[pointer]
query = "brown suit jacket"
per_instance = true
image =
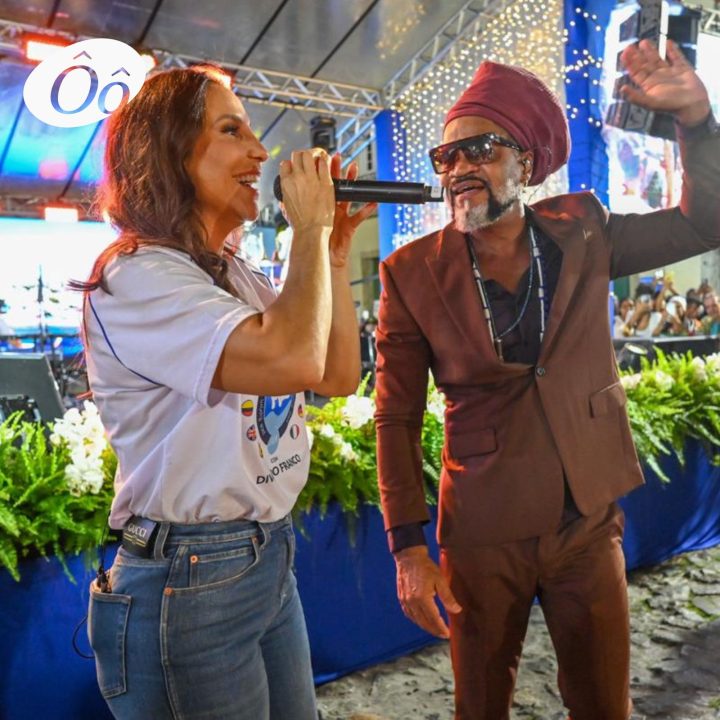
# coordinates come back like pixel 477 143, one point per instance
pixel 511 428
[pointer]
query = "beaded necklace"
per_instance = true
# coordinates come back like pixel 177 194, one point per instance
pixel 535 267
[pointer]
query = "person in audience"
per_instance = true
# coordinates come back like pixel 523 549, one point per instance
pixel 672 318
pixel 710 324
pixel 665 284
pixel 198 366
pixel 625 308
pixel 693 314
pixel 704 289
pixel 507 305
pixel 646 316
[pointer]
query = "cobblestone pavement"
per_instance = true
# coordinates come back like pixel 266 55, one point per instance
pixel 675 620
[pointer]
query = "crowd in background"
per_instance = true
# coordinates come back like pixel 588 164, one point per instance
pixel 657 309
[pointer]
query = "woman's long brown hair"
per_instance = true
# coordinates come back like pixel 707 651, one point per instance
pixel 146 190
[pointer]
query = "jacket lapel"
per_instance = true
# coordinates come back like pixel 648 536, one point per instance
pixel 452 275
pixel 572 238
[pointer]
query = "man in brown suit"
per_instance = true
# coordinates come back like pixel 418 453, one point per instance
pixel 507 306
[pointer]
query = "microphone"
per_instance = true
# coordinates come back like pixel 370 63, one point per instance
pixel 380 191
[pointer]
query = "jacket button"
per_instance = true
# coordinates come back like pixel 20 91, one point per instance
pixel 540 371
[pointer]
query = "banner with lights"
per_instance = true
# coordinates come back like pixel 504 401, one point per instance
pixel 585 24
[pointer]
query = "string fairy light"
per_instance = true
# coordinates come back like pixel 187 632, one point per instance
pixel 527 33
pixel 586 67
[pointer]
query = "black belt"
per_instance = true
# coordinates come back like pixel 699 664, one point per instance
pixel 139 535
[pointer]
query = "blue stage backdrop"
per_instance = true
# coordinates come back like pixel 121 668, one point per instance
pixel 588 165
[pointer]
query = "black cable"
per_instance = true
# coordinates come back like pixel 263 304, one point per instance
pixel 148 24
pixel 53 14
pixel 261 34
pixel 103 584
pixel 74 640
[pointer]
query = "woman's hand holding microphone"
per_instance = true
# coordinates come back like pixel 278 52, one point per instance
pixel 308 192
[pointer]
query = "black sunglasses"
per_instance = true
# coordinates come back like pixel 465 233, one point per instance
pixel 479 149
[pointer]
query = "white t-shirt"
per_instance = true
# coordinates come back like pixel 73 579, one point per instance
pixel 187 453
pixel 655 318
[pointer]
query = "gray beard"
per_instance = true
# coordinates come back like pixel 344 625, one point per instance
pixel 498 203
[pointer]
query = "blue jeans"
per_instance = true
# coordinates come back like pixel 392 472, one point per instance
pixel 210 627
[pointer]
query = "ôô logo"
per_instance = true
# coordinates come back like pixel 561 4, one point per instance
pixel 83 83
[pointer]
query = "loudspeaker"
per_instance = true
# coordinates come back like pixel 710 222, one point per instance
pixel 653 21
pixel 322 133
pixel 27 383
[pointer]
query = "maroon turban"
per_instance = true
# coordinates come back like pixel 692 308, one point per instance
pixel 525 107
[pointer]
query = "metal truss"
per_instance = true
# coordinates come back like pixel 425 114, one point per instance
pixel 21 206
pixel 710 22
pixel 268 87
pixel 469 20
pixel 8 34
pixel 11 31
pixel 358 133
pixel 32 206
pixel 288 90
pixel 357 105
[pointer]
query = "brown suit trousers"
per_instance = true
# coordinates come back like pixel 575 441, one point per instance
pixel 578 575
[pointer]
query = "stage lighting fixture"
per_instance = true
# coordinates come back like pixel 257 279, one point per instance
pixel 61 213
pixel 656 20
pixel 148 59
pixel 37 47
pixel 322 133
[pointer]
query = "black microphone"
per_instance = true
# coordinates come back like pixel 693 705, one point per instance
pixel 381 191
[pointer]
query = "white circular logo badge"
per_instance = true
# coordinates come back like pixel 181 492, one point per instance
pixel 84 83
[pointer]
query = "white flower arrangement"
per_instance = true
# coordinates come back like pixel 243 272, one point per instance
pixel 663 380
pixel 712 364
pixel 630 382
pixel 84 436
pixel 346 451
pixel 699 369
pixel 436 403
pixel 358 411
